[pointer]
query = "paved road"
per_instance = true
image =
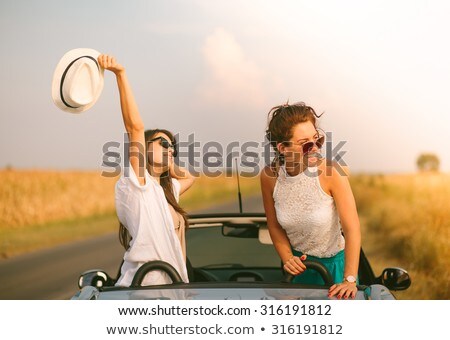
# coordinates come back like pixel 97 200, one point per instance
pixel 53 273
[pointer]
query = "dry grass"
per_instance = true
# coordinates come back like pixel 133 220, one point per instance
pixel 38 197
pixel 405 218
pixel 30 198
pixel 406 222
pixel 209 190
pixel 44 208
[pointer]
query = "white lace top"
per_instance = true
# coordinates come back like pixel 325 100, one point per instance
pixel 307 214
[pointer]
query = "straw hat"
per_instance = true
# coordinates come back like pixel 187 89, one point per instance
pixel 77 81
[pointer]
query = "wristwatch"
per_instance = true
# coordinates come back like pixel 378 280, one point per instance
pixel 350 279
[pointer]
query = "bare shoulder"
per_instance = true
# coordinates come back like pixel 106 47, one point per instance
pixel 332 169
pixel 332 175
pixel 268 177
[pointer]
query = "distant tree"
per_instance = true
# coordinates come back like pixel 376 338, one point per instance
pixel 428 162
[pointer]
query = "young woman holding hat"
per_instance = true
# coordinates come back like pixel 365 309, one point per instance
pixel 309 202
pixel 152 224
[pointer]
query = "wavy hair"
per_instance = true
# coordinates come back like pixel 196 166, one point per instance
pixel 281 121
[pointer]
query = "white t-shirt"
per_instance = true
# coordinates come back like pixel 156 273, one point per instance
pixel 144 210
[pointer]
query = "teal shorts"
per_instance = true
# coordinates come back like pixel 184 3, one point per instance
pixel 334 264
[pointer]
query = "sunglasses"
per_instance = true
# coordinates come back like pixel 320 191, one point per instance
pixel 165 144
pixel 307 146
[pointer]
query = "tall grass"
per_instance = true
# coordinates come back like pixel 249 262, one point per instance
pixel 37 197
pixel 215 190
pixel 44 208
pixel 406 219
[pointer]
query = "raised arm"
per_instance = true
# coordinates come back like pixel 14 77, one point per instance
pixel 131 117
pixel 291 264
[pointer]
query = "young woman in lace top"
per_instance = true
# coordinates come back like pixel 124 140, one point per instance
pixel 309 202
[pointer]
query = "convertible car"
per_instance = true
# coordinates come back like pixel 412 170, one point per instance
pixel 231 256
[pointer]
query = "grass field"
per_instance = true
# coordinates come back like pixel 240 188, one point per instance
pixel 44 208
pixel 406 222
pixel 405 219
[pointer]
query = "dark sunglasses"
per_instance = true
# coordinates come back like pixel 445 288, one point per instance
pixel 307 146
pixel 165 144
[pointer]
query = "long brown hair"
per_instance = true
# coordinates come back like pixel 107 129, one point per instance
pixel 281 122
pixel 165 182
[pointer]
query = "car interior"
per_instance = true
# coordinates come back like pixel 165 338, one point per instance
pixel 235 249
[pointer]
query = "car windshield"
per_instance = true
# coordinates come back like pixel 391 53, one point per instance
pixel 208 247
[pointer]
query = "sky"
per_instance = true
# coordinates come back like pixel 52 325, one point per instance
pixel 379 70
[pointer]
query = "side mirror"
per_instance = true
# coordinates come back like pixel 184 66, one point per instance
pixel 395 279
pixel 95 278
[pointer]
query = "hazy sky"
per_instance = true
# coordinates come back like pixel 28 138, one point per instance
pixel 380 70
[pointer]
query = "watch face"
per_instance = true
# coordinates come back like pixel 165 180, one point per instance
pixel 350 279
